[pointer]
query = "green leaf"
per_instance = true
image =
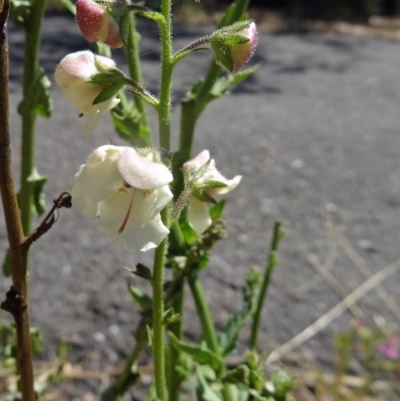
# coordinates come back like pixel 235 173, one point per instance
pixel 7 264
pixel 229 335
pixel 37 96
pixel 223 84
pixel 37 340
pixel 199 353
pixel 127 122
pixel 188 232
pixel 216 210
pixel 123 24
pixel 239 375
pixel 283 383
pixel 20 12
pixel 38 181
pixel 226 19
pixel 108 92
pixel 203 390
pixel 258 397
pixel 142 299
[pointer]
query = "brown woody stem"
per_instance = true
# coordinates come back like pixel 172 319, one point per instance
pixel 17 297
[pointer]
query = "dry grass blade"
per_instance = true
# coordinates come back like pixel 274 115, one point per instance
pixel 336 311
pixel 363 268
pixel 335 285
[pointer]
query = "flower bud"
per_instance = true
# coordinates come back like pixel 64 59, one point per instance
pixel 234 45
pixel 205 181
pixel 96 23
pixel 72 76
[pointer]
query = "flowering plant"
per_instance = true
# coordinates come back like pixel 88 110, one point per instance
pixel 146 197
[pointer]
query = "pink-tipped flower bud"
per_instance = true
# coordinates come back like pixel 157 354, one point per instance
pixel 72 75
pixel 96 23
pixel 234 45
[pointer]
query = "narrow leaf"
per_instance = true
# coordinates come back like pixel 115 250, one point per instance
pixel 197 352
pixel 142 299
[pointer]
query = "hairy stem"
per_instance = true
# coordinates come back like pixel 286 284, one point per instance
pixel 13 223
pixel 158 324
pixel 269 268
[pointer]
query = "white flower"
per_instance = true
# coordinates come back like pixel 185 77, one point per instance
pixel 128 191
pixel 198 215
pixel 71 76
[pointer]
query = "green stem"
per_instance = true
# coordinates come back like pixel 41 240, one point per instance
pixel 158 324
pixel 167 66
pixel 269 268
pixel 135 70
pixel 192 108
pixel 207 325
pixel 175 378
pixel 31 66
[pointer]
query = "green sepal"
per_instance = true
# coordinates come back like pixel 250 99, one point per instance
pixel 236 39
pixel 222 54
pixel 199 353
pixel 37 96
pixel 20 12
pixel 203 197
pixel 141 271
pixel 229 30
pixel 123 26
pixel 216 210
pixel 6 266
pixel 208 185
pixel 239 375
pixel 108 93
pixel 142 299
pixel 107 78
pixel 39 201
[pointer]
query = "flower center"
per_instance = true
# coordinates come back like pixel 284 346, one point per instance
pixel 128 213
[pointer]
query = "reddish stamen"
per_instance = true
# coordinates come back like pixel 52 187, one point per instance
pixel 128 213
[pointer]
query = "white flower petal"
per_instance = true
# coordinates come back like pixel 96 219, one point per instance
pixel 230 186
pixel 198 215
pixel 139 233
pixel 142 173
pixel 96 180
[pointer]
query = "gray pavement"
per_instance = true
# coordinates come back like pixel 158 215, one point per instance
pixel 315 133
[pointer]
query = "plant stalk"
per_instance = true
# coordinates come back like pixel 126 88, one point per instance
pixel 167 66
pixel 135 69
pixel 158 321
pixel 207 325
pixel 31 65
pixel 269 268
pixel 13 223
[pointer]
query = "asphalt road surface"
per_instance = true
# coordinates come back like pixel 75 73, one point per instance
pixel 315 134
